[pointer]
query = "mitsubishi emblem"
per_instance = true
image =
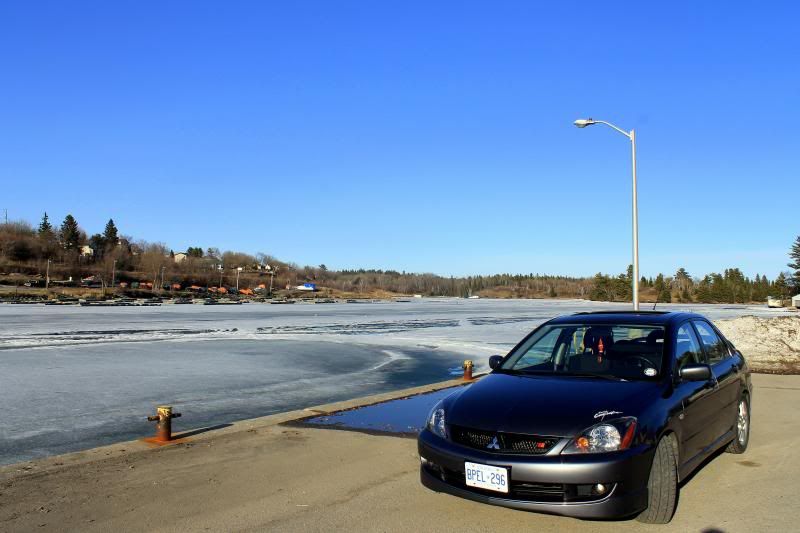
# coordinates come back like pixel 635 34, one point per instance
pixel 494 445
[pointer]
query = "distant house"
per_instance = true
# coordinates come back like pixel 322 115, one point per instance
pixel 87 251
pixel 180 257
pixel 796 301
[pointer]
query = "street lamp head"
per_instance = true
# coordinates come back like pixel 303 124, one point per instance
pixel 583 122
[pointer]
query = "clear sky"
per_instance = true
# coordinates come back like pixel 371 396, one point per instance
pixel 418 136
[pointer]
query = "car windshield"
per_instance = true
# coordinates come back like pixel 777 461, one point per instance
pixel 596 350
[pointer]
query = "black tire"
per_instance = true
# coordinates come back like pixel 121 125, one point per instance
pixel 662 487
pixel 742 427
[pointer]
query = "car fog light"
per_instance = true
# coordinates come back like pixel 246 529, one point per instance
pixel 599 489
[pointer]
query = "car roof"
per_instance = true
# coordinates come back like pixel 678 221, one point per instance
pixel 650 318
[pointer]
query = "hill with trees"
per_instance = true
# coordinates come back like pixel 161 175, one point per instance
pixel 67 251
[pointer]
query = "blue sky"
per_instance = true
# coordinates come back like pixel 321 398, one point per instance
pixel 409 135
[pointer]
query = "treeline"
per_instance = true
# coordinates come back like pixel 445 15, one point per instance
pixel 731 286
pixel 68 251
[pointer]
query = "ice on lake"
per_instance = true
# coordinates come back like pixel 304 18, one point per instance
pixel 77 377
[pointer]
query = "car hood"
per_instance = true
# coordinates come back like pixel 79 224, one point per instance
pixel 555 406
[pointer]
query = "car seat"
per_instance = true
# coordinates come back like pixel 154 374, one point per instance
pixel 597 341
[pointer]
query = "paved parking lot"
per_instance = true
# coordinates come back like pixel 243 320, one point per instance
pixel 259 475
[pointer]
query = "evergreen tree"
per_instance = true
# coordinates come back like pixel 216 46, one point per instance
pixel 110 234
pixel 98 243
pixel 795 265
pixel 683 280
pixel 45 228
pixel 704 290
pixel 70 233
pixel 662 291
pixel 685 296
pixel 781 286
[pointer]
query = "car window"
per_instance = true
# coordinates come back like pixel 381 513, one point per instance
pixel 687 347
pixel 541 351
pixel 715 347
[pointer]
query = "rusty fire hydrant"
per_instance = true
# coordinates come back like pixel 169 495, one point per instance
pixel 164 416
pixel 467 366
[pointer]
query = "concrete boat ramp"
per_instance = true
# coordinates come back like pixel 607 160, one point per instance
pixel 291 472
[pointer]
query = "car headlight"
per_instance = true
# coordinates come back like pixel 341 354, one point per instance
pixel 436 422
pixel 610 436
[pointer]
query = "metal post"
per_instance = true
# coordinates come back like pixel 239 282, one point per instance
pixel 635 226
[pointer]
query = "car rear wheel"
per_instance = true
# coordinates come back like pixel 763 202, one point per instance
pixel 742 428
pixel 662 487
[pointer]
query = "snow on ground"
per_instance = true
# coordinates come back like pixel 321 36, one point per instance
pixel 769 344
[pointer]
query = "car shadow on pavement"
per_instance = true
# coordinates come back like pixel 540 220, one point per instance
pixel 700 467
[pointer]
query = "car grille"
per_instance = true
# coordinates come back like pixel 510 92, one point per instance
pixel 506 442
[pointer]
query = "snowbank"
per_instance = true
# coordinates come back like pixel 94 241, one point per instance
pixel 771 345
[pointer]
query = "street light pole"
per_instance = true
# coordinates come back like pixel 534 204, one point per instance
pixel 635 225
pixel 631 135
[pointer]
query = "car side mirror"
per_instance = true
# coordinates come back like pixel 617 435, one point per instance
pixel 495 361
pixel 695 373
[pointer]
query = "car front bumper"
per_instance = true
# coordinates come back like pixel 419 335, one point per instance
pixel 546 483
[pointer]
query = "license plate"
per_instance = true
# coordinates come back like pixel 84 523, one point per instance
pixel 486 477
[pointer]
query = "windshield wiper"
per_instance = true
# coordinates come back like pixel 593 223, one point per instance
pixel 610 377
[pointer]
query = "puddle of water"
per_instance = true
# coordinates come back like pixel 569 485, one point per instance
pixel 402 416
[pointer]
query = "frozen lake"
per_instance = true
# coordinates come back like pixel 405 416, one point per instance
pixel 78 377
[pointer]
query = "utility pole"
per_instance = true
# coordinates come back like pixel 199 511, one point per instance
pixel 238 270
pixel 113 273
pixel 161 287
pixel 47 277
pixel 271 278
pixel 221 271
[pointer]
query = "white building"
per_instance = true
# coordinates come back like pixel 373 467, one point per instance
pixel 796 301
pixel 180 257
pixel 87 251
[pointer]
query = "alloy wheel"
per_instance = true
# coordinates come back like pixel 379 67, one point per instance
pixel 742 422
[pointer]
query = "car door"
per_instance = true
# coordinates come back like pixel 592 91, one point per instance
pixel 697 397
pixel 726 374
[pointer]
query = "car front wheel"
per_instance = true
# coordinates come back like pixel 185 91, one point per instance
pixel 662 487
pixel 742 428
